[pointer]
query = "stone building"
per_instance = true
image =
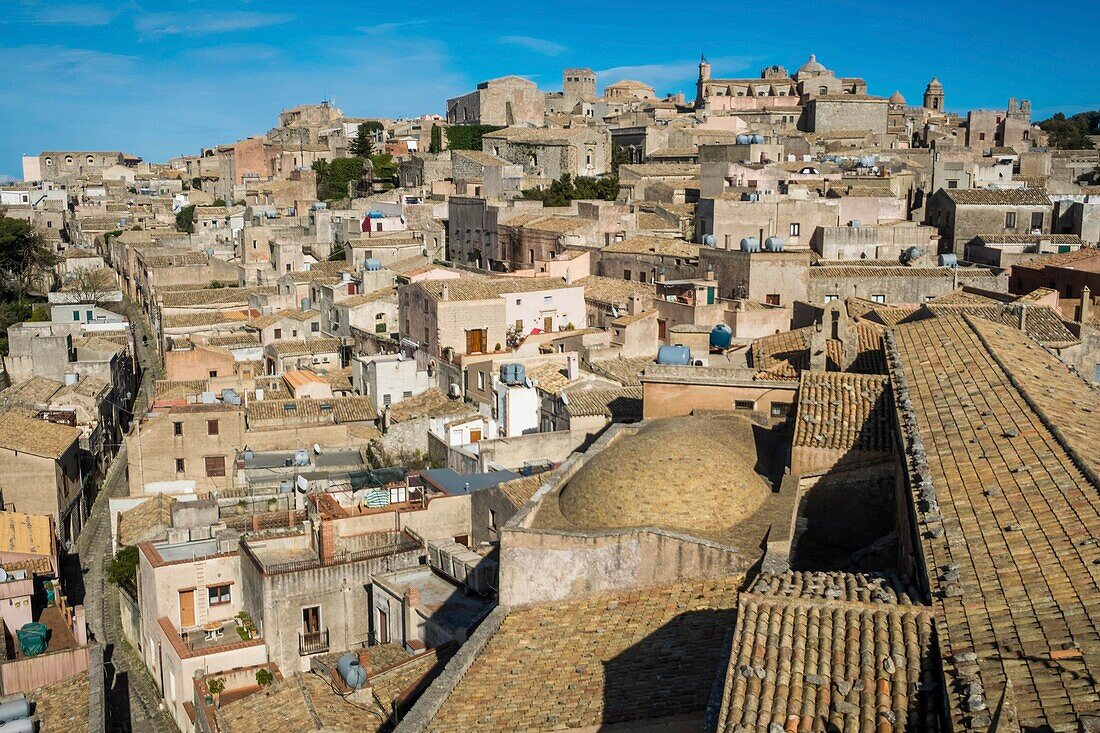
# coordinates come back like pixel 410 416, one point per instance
pixel 829 113
pixel 961 215
pixel 1008 128
pixel 509 100
pixel 55 165
pixel 548 153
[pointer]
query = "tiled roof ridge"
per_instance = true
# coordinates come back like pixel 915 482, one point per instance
pixel 309 702
pixel 1078 460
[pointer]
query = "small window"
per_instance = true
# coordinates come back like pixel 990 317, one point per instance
pixel 492 519
pixel 278 333
pixel 743 404
pixel 548 300
pixel 213 373
pixel 76 316
pixel 179 465
pixel 831 298
pixel 481 380
pixel 772 299
pixel 177 428
pixel 626 274
pixel 315 327
pixel 218 595
pixel 1010 220
pixel 1037 220
pixel 215 466
pixel 781 409
pixel 212 427
pixel 796 228
pixel 387 399
pixel 952 184
pixel 878 298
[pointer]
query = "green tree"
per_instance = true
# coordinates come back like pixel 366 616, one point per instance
pixel 185 219
pixel 619 156
pixel 363 144
pixel 385 167
pixel 1072 133
pixel 196 183
pixel 467 137
pixel 219 202
pixel 333 184
pixel 25 257
pixel 565 190
pixel 436 145
pixel 123 567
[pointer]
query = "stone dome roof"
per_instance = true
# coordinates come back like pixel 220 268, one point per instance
pixel 934 84
pixel 896 98
pixel 811 66
pixel 691 474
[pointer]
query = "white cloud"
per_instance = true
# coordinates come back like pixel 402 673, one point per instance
pixel 672 73
pixel 386 28
pixel 70 14
pixel 164 24
pixel 535 45
pixel 6 179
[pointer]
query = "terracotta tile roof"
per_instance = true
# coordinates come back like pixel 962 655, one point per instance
pixel 305 347
pixel 618 404
pixel 624 371
pixel 166 389
pixel 558 224
pixel 326 409
pixel 810 664
pixel 1060 259
pixel 1001 238
pixel 490 288
pixel 854 587
pixel 429 403
pixel 100 344
pixel 301 316
pixel 520 490
pixel 234 340
pixel 1036 294
pixel 614 291
pixel 34 391
pixel 997 433
pixel 784 355
pixel 640 655
pixel 961 296
pixel 827 271
pixel 63 706
pixel 144 522
pixel 998 197
pixel 662 246
pixel 550 377
pixel 363 299
pixel 206 318
pixel 211 296
pixel 37 437
pixel 1042 323
pixel 179 258
pixel 842 411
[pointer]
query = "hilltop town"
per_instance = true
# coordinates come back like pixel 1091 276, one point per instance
pixel 764 408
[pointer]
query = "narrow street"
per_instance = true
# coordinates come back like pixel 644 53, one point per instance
pixel 133 702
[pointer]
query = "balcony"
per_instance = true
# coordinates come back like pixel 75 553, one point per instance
pixel 315 642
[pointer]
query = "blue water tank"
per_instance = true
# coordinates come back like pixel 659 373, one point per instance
pixel 15 710
pixel 721 336
pixel 678 354
pixel 373 264
pixel 750 244
pixel 743 139
pixel 351 671
pixel 520 373
pixel 376 215
pixel 758 139
pixel 709 240
pixel 949 260
pixel 773 244
pixel 912 253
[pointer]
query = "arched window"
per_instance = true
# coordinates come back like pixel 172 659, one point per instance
pixel 68 160
pixel 823 90
pixel 90 159
pixel 49 162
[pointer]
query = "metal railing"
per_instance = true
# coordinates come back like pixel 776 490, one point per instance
pixel 314 642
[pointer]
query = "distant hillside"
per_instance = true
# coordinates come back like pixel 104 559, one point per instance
pixel 1072 133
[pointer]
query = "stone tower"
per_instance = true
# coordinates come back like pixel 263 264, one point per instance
pixel 704 77
pixel 578 84
pixel 933 95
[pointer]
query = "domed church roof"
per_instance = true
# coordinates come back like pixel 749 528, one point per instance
pixel 811 66
pixel 934 84
pixel 691 474
pixel 896 98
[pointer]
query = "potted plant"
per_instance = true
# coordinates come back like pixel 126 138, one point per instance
pixel 241 506
pixel 264 677
pixel 217 687
pixel 272 504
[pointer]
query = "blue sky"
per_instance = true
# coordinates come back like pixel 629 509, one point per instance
pixel 159 78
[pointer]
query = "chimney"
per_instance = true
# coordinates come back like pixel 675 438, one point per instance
pixel 1023 317
pixel 572 367
pixel 635 304
pixel 1086 304
pixel 709 274
pixel 446 294
pixel 327 542
pixel 569 276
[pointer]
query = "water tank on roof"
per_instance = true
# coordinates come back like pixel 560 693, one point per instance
pixel 305 304
pixel 373 264
pixel 351 671
pixel 949 260
pixel 507 373
pixel 854 223
pixel 750 244
pixel 15 710
pixel 912 254
pixel 750 197
pixel 773 244
pixel 867 161
pixel 709 240
pixel 721 336
pixel 678 354
pixel 758 139
pixel 70 378
pixel 376 215
pixel 520 374
pixel 230 397
pixel 23 725
pixel 743 139
pixel 301 457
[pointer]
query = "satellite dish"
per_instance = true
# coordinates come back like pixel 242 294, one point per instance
pixel 316 449
pixel 303 484
pixel 3 575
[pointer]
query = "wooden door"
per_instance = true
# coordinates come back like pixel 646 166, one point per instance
pixel 548 324
pixel 475 341
pixel 187 608
pixel 475 436
pixel 311 620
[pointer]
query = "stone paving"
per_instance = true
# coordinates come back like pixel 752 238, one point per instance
pixel 133 702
